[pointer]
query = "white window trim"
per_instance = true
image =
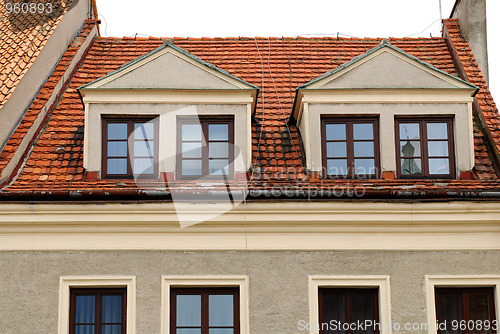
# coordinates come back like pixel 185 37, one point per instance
pixel 382 282
pixel 464 281
pixel 68 282
pixel 169 282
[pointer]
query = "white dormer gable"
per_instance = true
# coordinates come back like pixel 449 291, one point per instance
pixel 167 84
pixel 387 67
pixel 386 83
pixel 169 67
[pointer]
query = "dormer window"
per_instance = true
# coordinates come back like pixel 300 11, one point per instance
pixel 176 87
pixel 425 148
pixel 130 148
pixel 417 108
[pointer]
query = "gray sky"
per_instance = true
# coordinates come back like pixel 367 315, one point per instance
pixel 276 18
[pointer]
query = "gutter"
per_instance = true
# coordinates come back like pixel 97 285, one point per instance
pixel 258 195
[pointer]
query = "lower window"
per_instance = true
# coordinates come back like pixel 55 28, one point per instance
pixel 204 311
pixel 348 310
pixel 465 311
pixel 98 311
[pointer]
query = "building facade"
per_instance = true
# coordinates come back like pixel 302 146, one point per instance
pixel 253 185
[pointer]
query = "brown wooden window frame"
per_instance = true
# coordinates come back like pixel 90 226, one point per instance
pixel 205 293
pixel 347 292
pixel 349 122
pixel 205 121
pixel 424 156
pixel 130 146
pixel 465 292
pixel 98 293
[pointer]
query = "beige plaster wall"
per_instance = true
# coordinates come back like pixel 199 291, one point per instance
pixel 464 145
pixel 169 71
pixel 278 281
pixel 168 114
pixel 387 70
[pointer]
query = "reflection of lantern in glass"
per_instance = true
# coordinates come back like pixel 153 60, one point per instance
pixel 409 166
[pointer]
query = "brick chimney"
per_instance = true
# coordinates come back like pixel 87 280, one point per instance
pixel 471 15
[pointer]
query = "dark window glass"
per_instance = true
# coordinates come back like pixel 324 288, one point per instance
pixel 343 309
pixel 97 311
pixel 204 311
pixel 350 147
pixel 425 148
pixel 205 147
pixel 465 311
pixel 129 148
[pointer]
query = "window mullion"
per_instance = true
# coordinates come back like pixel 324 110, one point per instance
pixel 424 156
pixel 130 148
pixel 348 309
pixel 204 313
pixel 204 154
pixel 350 148
pixel 98 314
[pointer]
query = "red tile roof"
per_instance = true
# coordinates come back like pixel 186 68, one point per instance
pixel 277 66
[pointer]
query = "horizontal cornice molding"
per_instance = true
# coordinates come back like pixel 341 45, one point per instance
pixel 252 226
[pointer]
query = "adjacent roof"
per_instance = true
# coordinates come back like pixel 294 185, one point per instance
pixel 54 166
pixel 22 37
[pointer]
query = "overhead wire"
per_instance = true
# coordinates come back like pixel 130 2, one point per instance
pixel 279 102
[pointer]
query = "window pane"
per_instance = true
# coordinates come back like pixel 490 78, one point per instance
pixel 191 167
pixel 218 132
pixel 117 166
pixel 218 150
pixel 85 309
pixel 449 309
pixel 111 309
pixel 335 132
pixel 189 331
pixel 191 150
pixel 438 148
pixel 362 309
pixel 220 310
pixel 143 166
pixel 437 131
pixel 439 166
pixel 362 131
pixel 84 329
pixel 336 150
pixel 143 148
pixel 479 307
pixel 219 167
pixel 333 306
pixel 188 311
pixel 191 132
pixel 111 329
pixel 117 149
pixel 117 130
pixel 364 149
pixel 221 331
pixel 144 131
pixel 411 166
pixel 410 149
pixel 409 131
pixel 337 167
pixel 364 166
